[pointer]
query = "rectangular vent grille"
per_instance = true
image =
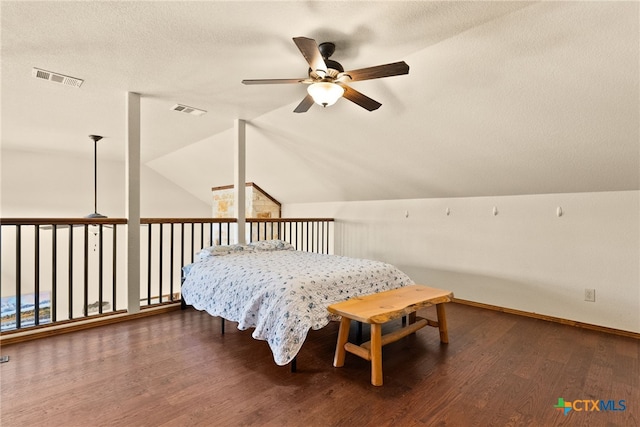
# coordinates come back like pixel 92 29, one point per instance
pixel 189 110
pixel 56 77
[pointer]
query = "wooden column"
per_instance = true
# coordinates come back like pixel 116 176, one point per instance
pixel 240 178
pixel 133 201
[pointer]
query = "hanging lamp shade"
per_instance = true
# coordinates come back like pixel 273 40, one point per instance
pixel 325 93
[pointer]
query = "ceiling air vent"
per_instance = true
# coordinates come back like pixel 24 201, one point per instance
pixel 56 77
pixel 189 110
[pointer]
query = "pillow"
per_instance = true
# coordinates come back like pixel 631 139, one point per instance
pixel 262 245
pixel 219 250
pixel 272 245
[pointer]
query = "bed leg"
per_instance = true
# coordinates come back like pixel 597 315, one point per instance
pixel 183 305
pixel 294 365
pixel 222 325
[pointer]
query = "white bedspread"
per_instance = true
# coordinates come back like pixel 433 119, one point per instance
pixel 283 293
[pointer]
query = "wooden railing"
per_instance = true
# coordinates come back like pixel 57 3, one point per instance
pixel 167 244
pixel 58 269
pixel 309 235
pixel 61 270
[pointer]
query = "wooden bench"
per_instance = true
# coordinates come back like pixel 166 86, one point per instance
pixel 377 309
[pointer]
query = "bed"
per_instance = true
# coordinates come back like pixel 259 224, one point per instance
pixel 280 292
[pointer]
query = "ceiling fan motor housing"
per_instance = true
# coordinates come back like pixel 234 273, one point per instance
pixel 333 67
pixel 326 49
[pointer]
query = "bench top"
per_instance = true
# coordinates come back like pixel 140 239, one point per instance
pixel 388 305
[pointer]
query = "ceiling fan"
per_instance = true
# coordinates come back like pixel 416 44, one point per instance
pixel 327 79
pixel 94 214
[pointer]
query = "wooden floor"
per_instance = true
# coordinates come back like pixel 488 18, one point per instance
pixel 176 369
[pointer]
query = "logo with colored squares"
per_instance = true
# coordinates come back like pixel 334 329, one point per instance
pixel 563 406
pixel 589 405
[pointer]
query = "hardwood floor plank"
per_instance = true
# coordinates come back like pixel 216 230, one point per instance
pixel 176 369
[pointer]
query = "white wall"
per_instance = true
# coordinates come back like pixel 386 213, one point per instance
pixel 60 185
pixel 525 257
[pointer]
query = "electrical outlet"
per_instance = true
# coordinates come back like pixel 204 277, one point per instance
pixel 590 295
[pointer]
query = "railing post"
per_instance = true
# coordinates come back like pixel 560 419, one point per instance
pixel 36 308
pixel 171 265
pixel 149 262
pixel 70 266
pixel 54 273
pixel 192 242
pixel 160 245
pixel 100 269
pixel 114 270
pixel 18 276
pixel 85 276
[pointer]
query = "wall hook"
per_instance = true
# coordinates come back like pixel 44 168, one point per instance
pixel 559 211
pixel 495 210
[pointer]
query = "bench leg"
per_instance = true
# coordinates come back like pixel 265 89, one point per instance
pixel 442 323
pixel 412 317
pixel 343 337
pixel 376 354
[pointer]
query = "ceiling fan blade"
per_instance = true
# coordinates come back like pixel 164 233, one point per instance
pixel 386 70
pixel 311 53
pixel 271 81
pixel 304 106
pixel 358 98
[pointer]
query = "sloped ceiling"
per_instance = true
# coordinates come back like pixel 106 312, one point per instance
pixel 502 97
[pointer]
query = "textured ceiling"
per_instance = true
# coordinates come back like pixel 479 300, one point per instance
pixel 502 97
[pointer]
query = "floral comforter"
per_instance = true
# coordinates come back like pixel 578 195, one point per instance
pixel 280 292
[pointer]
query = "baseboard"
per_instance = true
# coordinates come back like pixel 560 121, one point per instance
pixel 13 337
pixel 21 336
pixel 550 318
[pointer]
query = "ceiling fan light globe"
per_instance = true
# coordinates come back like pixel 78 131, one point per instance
pixel 325 93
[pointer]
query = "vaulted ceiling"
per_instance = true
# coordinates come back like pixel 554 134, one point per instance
pixel 501 98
